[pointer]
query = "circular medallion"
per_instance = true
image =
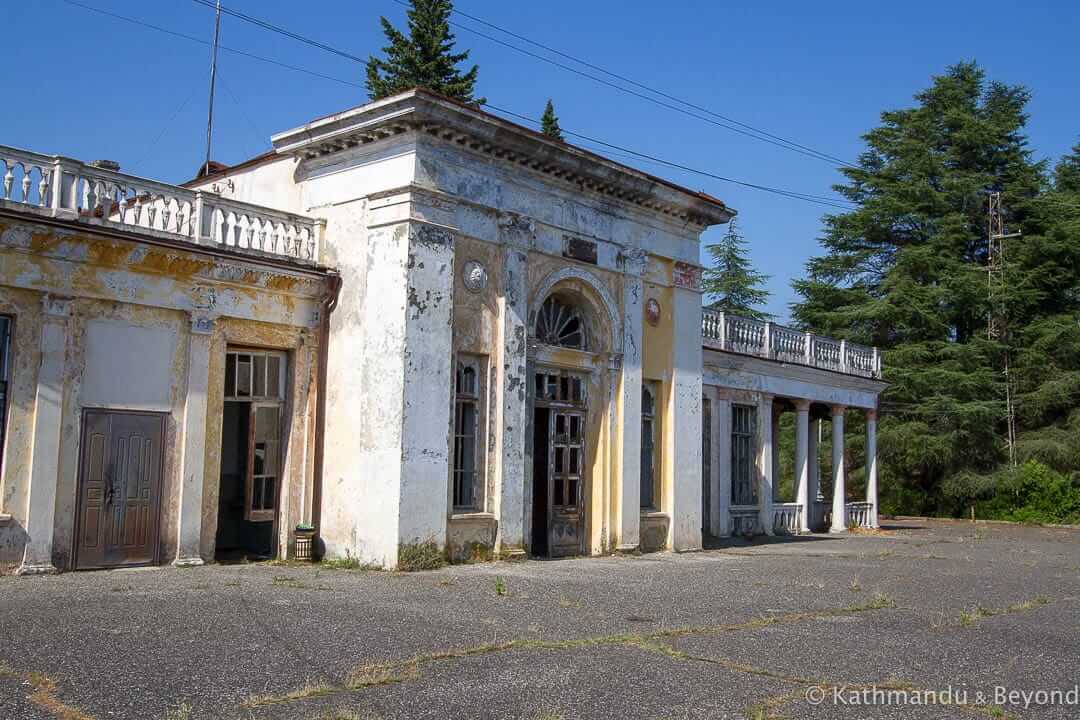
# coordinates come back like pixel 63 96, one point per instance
pixel 474 276
pixel 652 312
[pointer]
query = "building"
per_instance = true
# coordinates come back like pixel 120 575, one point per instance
pixel 509 356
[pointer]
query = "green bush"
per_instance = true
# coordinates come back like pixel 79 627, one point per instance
pixel 1033 493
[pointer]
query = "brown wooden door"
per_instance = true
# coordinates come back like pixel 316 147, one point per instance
pixel 567 471
pixel 119 489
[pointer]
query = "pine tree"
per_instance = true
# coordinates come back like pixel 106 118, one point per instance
pixel 425 58
pixel 906 271
pixel 731 282
pixel 549 123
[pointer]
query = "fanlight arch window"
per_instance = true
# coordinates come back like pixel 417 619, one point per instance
pixel 562 324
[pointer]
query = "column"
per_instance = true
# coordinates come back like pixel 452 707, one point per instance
pixel 685 433
pixel 776 455
pixel 871 465
pixel 765 463
pixel 813 489
pixel 192 462
pixel 802 462
pixel 45 457
pixel 512 393
pixel 629 483
pixel 839 506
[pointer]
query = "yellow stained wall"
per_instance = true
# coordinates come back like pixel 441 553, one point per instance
pixel 658 343
pixel 104 276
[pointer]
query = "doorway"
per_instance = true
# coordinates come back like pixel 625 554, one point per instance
pixel 119 489
pixel 251 457
pixel 559 476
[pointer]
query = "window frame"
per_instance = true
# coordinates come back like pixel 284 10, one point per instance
pixel 743 455
pixel 466 398
pixel 270 397
pixel 651 438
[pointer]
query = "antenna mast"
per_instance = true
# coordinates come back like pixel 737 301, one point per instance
pixel 997 320
pixel 213 78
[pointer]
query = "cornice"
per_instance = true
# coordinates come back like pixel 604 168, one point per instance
pixel 432 117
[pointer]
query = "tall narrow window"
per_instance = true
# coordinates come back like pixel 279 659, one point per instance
pixel 650 492
pixel 743 425
pixel 5 377
pixel 467 467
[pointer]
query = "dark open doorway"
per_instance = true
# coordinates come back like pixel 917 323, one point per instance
pixel 251 457
pixel 238 538
pixel 541 416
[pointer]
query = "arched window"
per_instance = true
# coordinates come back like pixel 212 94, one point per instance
pixel 561 324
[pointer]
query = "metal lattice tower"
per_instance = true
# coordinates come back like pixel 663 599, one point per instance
pixel 997 327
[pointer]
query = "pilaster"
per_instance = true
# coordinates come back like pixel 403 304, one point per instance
pixel 192 462
pixel 628 486
pixel 428 385
pixel 48 420
pixel 512 386
pixel 721 467
pixel 686 400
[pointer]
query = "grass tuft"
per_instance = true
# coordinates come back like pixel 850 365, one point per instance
pixel 415 557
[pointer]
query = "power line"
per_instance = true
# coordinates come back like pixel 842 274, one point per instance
pixel 751 131
pixel 192 38
pixel 806 197
pixel 780 191
pixel 816 153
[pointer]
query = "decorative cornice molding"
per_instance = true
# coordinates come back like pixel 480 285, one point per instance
pixel 430 116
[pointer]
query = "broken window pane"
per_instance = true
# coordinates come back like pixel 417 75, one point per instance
pixel 273 376
pixel 230 375
pixel 243 376
pixel 259 372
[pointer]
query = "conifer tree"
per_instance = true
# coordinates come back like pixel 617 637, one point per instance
pixel 730 281
pixel 549 123
pixel 907 271
pixel 425 58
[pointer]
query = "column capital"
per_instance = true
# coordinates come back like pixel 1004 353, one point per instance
pixel 202 324
pixel 634 261
pixel 802 405
pixel 838 410
pixel 56 307
pixel 871 415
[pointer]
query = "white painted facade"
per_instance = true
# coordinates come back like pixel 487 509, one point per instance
pixel 456 235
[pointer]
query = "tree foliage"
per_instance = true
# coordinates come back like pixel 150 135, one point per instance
pixel 906 270
pixel 549 123
pixel 424 58
pixel 730 281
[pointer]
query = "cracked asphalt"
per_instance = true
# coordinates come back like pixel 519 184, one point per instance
pixel 737 631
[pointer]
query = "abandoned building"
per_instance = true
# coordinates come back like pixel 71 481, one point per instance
pixel 411 323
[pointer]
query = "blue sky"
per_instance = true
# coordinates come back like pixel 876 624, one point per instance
pixel 81 84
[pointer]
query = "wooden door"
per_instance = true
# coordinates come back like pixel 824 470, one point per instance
pixel 119 489
pixel 566 449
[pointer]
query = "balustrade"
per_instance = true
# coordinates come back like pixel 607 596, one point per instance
pixel 747 336
pixel 87 193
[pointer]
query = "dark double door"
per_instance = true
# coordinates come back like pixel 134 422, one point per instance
pixel 119 489
pixel 558 460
